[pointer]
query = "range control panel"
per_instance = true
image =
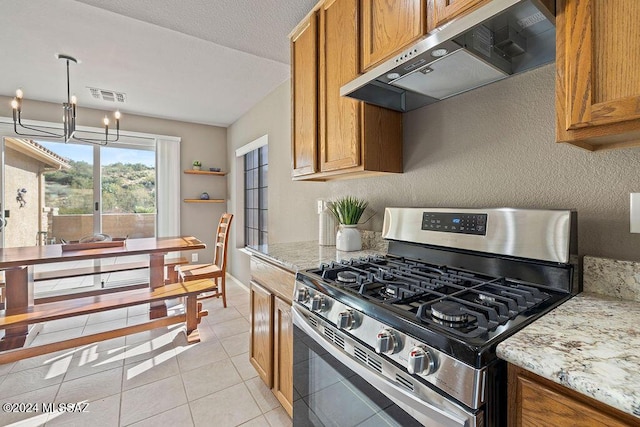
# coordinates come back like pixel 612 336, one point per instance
pixel 455 223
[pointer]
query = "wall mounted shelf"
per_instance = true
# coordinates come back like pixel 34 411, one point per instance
pixel 205 172
pixel 204 201
pixel 194 172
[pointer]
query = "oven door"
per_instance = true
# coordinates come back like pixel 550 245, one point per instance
pixel 332 388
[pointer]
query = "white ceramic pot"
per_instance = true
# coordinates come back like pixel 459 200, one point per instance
pixel 348 238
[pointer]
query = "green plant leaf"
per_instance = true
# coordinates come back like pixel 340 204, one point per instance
pixel 348 210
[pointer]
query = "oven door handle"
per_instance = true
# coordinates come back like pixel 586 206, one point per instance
pixel 421 410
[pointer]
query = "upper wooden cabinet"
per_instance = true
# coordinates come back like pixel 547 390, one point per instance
pixel 597 82
pixel 354 139
pixel 441 11
pixel 389 26
pixel 339 116
pixel 304 90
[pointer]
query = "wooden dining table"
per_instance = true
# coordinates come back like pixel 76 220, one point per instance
pixel 18 264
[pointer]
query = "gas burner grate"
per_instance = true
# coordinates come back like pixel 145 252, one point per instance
pixel 411 286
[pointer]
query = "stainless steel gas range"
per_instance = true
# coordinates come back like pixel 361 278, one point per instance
pixel 410 337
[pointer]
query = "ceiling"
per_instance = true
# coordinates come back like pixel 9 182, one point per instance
pixel 201 61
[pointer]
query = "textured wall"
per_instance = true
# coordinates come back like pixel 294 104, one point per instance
pixel 292 214
pixel 490 147
pixel 22 171
pixel 495 147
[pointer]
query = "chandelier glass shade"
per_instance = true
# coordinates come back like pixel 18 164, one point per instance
pixel 68 119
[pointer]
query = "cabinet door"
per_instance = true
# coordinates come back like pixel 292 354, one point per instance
pixel 598 84
pixel 442 11
pixel 261 324
pixel 283 355
pixel 389 26
pixel 304 92
pixel 339 64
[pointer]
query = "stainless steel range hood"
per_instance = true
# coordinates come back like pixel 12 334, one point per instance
pixel 500 39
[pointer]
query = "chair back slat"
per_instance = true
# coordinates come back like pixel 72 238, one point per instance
pixel 222 239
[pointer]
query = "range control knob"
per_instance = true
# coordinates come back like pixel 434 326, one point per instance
pixel 386 342
pixel 302 295
pixel 420 361
pixel 318 303
pixel 346 320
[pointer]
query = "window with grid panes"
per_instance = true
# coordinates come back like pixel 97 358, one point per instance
pixel 256 167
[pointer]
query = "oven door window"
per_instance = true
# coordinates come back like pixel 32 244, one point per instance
pixel 327 393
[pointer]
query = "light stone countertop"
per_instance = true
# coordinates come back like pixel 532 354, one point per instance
pixel 305 255
pixel 589 344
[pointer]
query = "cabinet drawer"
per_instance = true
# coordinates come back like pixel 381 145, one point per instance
pixel 276 279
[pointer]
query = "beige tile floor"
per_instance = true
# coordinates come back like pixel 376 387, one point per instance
pixel 152 378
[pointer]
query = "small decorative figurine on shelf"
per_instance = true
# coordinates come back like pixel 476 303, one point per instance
pixel 196 165
pixel 204 196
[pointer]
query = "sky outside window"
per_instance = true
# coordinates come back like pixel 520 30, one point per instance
pixel 108 157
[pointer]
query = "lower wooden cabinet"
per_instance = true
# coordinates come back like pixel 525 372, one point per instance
pixel 271 329
pixel 536 401
pixel 283 354
pixel 261 331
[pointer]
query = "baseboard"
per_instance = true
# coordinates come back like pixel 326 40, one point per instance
pixel 238 282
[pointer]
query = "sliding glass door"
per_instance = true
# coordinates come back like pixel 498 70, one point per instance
pixel 128 192
pixel 55 192
pixel 68 193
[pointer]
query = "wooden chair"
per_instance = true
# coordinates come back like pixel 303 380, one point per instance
pixel 218 269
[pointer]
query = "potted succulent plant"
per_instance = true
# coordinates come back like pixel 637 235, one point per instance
pixel 196 165
pixel 348 211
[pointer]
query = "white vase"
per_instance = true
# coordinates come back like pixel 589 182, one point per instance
pixel 348 238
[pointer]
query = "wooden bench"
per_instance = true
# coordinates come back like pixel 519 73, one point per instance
pixel 94 304
pixel 169 263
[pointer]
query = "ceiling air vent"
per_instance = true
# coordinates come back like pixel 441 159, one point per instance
pixel 107 95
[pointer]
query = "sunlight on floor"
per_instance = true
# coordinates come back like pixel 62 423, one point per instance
pixel 152 377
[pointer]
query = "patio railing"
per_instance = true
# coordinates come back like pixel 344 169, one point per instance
pixel 74 227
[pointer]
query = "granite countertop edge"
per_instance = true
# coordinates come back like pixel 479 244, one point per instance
pixel 588 344
pixel 295 256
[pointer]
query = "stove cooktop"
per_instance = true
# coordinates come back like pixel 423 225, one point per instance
pixel 462 308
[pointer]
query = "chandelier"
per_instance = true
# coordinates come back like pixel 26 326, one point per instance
pixel 68 118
